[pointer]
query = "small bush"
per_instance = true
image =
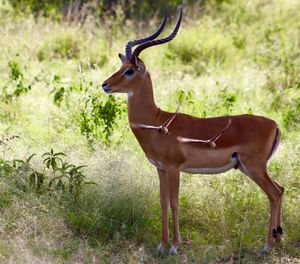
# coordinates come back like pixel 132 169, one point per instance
pixel 15 71
pixel 98 118
pixel 228 99
pixel 64 176
pixel 57 175
pixel 37 7
pixel 18 82
pixel 62 91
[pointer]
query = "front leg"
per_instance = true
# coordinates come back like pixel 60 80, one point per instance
pixel 164 203
pixel 174 182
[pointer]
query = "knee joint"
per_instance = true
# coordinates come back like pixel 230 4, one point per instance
pixel 164 204
pixel 174 205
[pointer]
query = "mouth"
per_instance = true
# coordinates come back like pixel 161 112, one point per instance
pixel 107 89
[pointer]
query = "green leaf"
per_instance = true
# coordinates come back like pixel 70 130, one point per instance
pixel 29 158
pixel 59 154
pixel 90 182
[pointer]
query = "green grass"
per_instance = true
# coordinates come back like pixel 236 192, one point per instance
pixel 232 57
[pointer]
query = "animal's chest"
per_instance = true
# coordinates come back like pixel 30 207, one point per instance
pixel 158 147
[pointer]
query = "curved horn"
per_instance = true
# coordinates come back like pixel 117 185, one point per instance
pixel 148 44
pixel 135 42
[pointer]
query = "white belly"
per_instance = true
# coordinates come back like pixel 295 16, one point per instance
pixel 217 170
pixel 233 163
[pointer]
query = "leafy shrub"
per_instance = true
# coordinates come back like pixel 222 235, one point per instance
pixel 36 7
pixel 28 177
pixel 228 99
pixel 18 80
pixel 61 176
pixel 98 117
pixel 65 177
pixel 132 10
pixel 62 91
pixel 15 71
pixel 5 168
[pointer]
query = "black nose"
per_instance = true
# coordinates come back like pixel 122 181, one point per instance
pixel 103 85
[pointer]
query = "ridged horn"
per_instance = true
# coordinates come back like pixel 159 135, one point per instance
pixel 135 42
pixel 151 43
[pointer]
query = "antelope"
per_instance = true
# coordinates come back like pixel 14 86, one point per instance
pixel 244 142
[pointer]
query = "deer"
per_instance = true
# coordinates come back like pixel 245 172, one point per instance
pixel 177 142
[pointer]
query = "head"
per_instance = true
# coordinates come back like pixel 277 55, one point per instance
pixel 133 71
pixel 127 78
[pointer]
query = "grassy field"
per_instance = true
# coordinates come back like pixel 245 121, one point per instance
pixel 231 58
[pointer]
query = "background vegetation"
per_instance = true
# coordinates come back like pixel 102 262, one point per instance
pixel 89 195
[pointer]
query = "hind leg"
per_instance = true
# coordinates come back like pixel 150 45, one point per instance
pixel 258 173
pixel 279 228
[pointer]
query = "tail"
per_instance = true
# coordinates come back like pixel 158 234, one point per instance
pixel 276 142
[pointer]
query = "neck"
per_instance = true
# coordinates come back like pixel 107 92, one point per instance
pixel 141 105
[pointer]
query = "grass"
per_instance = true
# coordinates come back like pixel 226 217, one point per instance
pixel 231 58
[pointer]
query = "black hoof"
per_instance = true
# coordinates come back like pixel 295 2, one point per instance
pixel 279 230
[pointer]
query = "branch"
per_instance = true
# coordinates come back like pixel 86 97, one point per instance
pixel 210 142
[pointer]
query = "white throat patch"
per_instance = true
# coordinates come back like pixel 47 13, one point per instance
pixel 130 94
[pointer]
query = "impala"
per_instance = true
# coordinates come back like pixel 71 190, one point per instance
pixel 176 142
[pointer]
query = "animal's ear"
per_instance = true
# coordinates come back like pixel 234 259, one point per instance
pixel 141 67
pixel 122 58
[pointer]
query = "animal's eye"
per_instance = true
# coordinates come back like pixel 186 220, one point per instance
pixel 128 72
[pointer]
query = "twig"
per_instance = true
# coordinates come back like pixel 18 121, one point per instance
pixel 210 142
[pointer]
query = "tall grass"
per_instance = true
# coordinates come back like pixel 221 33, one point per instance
pixel 230 58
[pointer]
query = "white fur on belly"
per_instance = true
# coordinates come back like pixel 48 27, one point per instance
pixel 233 162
